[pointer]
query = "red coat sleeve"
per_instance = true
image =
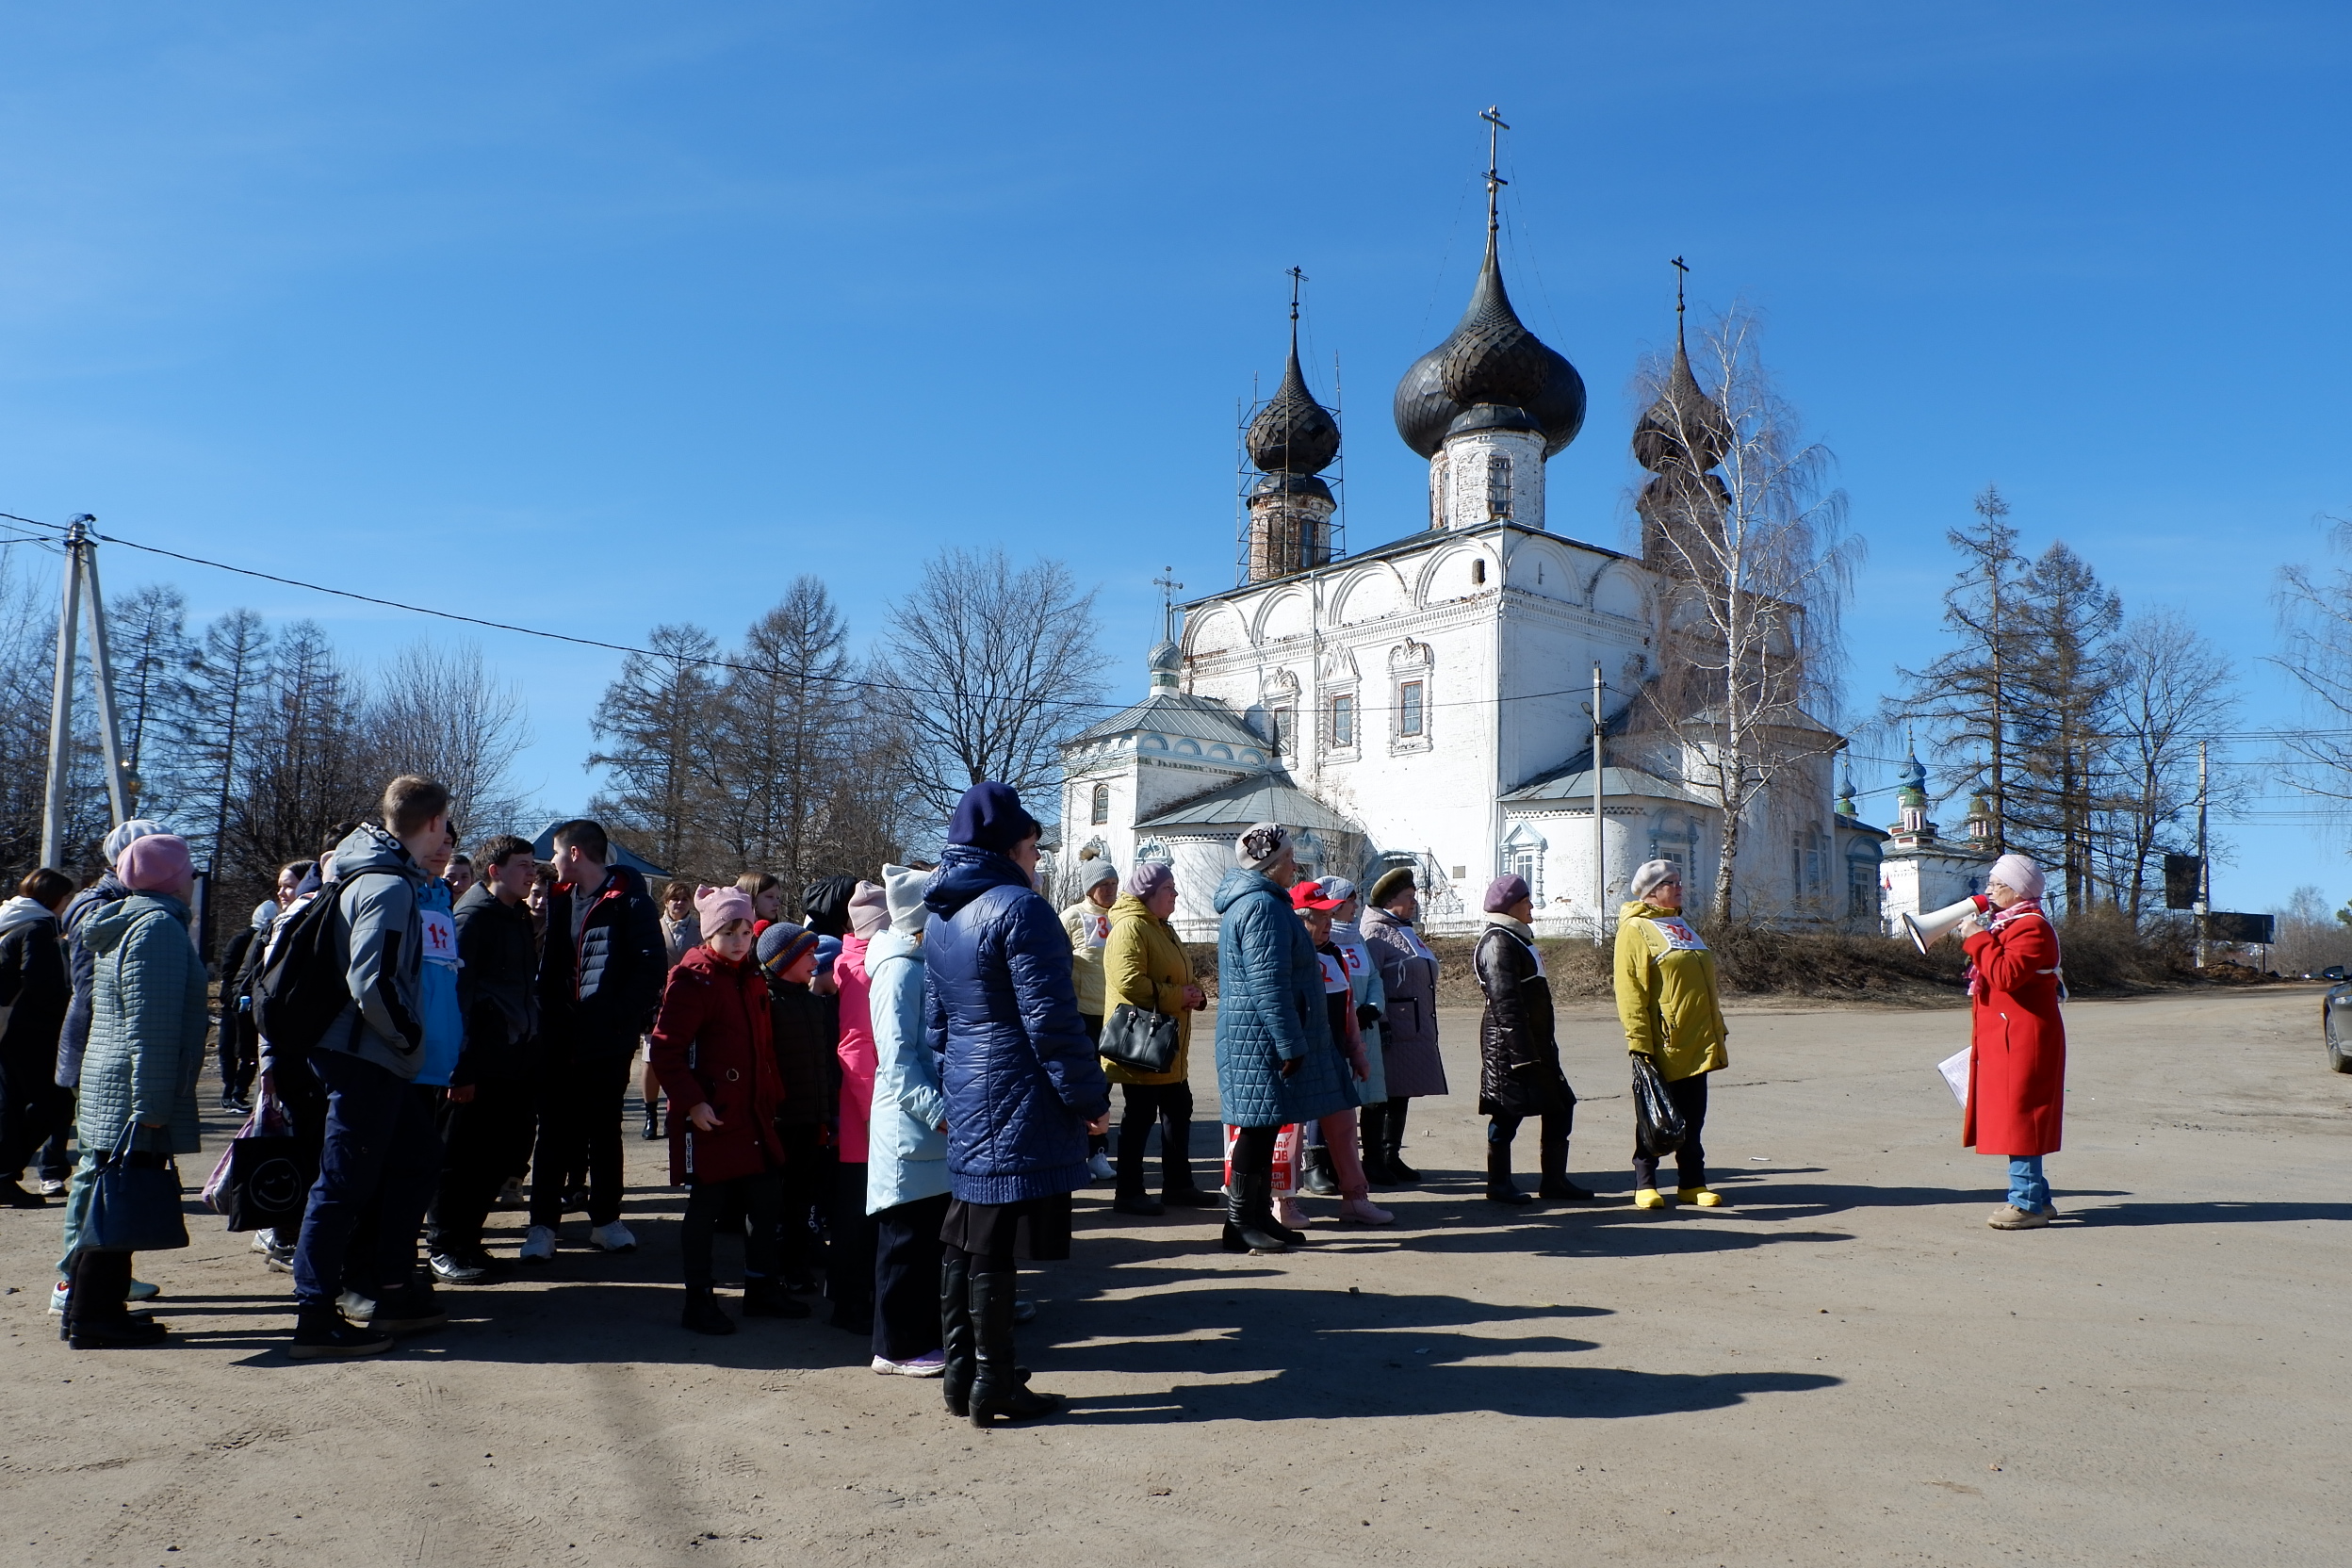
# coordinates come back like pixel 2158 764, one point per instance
pixel 684 1000
pixel 2017 957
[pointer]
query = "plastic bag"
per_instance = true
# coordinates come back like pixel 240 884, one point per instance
pixel 1658 1128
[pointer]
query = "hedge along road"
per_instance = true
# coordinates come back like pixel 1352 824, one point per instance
pixel 1848 1366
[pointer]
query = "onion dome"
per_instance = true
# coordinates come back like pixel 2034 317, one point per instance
pixel 1684 428
pixel 1293 434
pixel 1911 789
pixel 1163 662
pixel 1492 373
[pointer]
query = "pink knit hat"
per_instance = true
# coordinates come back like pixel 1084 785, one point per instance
pixel 715 906
pixel 156 863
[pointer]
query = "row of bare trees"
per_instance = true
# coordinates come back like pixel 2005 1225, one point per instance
pixel 784 754
pixel 2077 721
pixel 250 738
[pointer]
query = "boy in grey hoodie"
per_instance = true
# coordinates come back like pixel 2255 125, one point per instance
pixel 380 1154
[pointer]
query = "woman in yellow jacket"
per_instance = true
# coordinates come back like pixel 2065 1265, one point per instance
pixel 1666 1000
pixel 1144 964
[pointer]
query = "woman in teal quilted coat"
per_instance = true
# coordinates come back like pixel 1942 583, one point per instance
pixel 146 1049
pixel 1276 1063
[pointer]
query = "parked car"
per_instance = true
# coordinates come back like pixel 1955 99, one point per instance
pixel 2335 1024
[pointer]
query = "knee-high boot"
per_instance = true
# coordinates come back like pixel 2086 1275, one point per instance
pixel 1556 1183
pixel 1500 1188
pixel 955 1333
pixel 1393 1143
pixel 997 1385
pixel 1249 1224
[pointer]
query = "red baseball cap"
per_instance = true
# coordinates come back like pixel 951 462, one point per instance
pixel 1309 896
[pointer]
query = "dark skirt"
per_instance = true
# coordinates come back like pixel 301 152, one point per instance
pixel 1034 1228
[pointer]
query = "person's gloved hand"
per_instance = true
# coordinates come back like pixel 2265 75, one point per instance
pixel 1366 1015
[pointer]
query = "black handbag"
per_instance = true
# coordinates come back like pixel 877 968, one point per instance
pixel 133 1207
pixel 268 1184
pixel 1140 1039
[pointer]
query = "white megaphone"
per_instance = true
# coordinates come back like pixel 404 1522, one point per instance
pixel 1926 930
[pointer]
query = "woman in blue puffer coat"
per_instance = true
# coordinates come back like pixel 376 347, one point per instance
pixel 1024 1090
pixel 1276 1062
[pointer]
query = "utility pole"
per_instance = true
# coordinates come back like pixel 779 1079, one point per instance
pixel 2204 864
pixel 1600 836
pixel 81 578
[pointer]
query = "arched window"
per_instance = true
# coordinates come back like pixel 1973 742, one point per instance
pixel 1498 486
pixel 1102 813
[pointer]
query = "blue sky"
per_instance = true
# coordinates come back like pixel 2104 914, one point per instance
pixel 592 318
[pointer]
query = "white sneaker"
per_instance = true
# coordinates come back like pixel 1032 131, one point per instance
pixel 57 1294
pixel 52 1188
pixel 265 1240
pixel 1099 1167
pixel 615 1238
pixel 356 1308
pixel 142 1291
pixel 931 1365
pixel 538 1245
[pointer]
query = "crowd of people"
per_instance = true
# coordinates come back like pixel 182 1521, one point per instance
pixel 891 1098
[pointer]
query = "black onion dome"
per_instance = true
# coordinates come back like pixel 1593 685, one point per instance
pixel 1492 373
pixel 1293 434
pixel 1684 428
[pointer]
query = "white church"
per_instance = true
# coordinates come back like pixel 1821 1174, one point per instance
pixel 1426 703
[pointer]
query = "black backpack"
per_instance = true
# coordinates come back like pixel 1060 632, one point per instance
pixel 300 986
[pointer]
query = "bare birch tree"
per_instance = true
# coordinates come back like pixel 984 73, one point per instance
pixel 438 711
pixel 992 668
pixel 1749 535
pixel 2170 688
pixel 2316 633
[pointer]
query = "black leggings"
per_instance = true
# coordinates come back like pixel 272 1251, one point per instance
pixel 1253 1150
pixel 1168 1106
pixel 1689 1098
pixel 759 1199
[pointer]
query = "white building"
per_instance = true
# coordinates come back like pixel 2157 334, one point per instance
pixel 1922 871
pixel 1426 702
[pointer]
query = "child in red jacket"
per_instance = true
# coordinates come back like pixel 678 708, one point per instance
pixel 711 1050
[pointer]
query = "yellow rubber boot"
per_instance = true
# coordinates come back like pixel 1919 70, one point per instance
pixel 1705 1198
pixel 1649 1198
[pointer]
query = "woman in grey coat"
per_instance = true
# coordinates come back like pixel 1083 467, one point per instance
pixel 1276 1062
pixel 1407 1021
pixel 146 1050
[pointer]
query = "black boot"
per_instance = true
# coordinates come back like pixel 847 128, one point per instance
pixel 1177 1188
pixel 766 1297
pixel 1371 1122
pixel 1132 1196
pixel 1556 1183
pixel 1500 1188
pixel 955 1346
pixel 703 1314
pixel 1393 1144
pixel 997 1386
pixel 1318 1178
pixel 1247 1200
pixel 652 1129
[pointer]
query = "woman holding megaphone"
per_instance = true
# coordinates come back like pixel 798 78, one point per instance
pixel 2018 1042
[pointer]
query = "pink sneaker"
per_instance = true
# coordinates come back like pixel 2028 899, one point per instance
pixel 1289 1213
pixel 1363 1211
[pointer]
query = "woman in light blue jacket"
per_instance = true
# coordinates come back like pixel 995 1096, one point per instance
pixel 907 1152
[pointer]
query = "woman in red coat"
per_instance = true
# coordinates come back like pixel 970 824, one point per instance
pixel 711 1049
pixel 2017 1049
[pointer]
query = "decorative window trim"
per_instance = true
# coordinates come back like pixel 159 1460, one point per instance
pixel 1349 746
pixel 1409 664
pixel 1098 805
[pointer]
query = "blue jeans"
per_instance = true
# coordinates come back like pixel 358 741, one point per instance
pixel 380 1162
pixel 2027 1190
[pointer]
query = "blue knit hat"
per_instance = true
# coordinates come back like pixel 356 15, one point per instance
pixel 991 816
pixel 781 943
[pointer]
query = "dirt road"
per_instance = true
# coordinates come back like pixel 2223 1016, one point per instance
pixel 1846 1368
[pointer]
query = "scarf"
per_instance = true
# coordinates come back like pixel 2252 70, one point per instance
pixel 1977 986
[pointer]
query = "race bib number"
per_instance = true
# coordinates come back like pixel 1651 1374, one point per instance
pixel 1098 930
pixel 1420 947
pixel 1334 973
pixel 1678 935
pixel 440 933
pixel 1355 956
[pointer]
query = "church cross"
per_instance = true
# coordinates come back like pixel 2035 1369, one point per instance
pixel 1167 585
pixel 1493 115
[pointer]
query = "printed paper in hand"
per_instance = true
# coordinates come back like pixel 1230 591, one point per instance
pixel 1955 1071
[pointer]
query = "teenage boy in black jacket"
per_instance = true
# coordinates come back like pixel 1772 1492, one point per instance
pixel 489 1101
pixel 601 978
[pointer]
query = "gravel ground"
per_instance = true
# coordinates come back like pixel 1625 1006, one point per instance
pixel 1845 1368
